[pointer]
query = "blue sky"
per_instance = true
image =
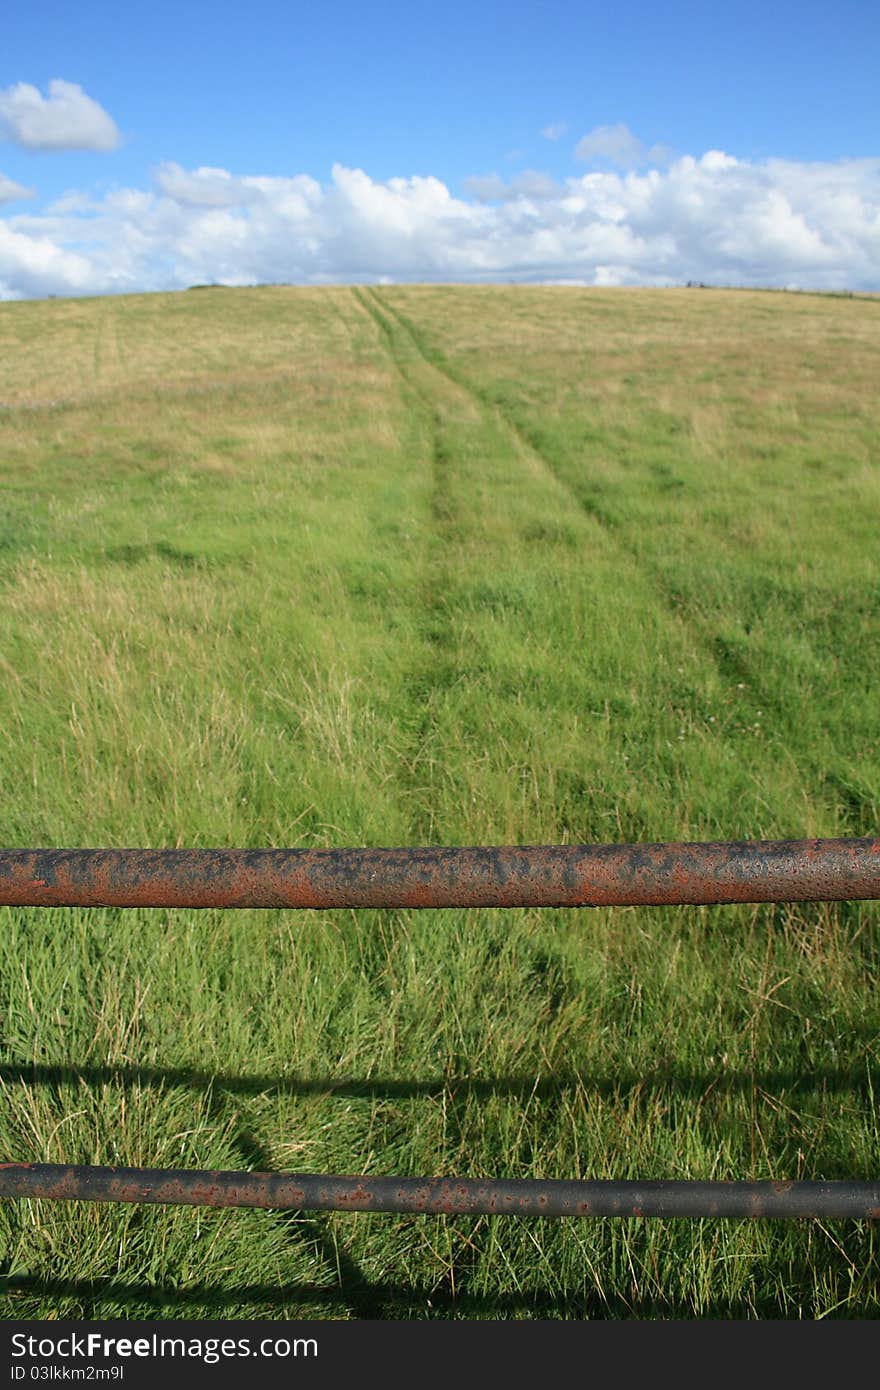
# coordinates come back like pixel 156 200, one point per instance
pixel 558 132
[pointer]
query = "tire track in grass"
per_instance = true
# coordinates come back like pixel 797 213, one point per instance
pixel 730 668
pixel 563 497
pixel 435 668
pixel 526 444
pixel 457 565
pixel 530 453
pixel 107 359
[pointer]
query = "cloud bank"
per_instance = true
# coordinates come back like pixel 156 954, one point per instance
pixel 65 120
pixel 715 219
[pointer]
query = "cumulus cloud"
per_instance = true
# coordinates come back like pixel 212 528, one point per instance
pixel 616 144
pixel 554 131
pixel 67 119
pixel 32 265
pixel 204 187
pixel 715 218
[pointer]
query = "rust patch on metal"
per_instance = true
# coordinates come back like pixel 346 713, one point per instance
pixel 481 876
pixel 442 1196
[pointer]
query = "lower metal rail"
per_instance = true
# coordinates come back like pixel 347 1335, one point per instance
pixel 441 1196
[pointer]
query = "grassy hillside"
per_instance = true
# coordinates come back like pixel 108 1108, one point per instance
pixel 439 566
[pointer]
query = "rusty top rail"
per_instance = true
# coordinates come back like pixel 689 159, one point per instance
pixel 512 876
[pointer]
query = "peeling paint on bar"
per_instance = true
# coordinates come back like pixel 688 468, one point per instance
pixel 511 876
pixel 441 1196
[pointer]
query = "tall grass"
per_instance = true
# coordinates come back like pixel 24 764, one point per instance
pixel 438 565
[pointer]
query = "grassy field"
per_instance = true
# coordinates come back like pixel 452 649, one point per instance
pixel 438 565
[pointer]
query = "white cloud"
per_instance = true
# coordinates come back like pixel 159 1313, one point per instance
pixel 11 192
pixel 33 265
pixel 616 144
pixel 65 120
pixel 714 218
pixel 72 201
pixel 203 188
pixel 554 131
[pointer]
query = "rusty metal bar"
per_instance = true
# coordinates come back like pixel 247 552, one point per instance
pixel 435 1196
pixel 513 876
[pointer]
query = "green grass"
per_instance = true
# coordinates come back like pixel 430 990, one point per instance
pixel 439 566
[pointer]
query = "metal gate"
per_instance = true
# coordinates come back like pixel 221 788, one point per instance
pixel 512 876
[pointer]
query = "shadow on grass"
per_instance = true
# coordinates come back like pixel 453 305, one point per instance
pixel 379 1300
pixel 357 1291
pixel 854 1078
pixel 348 1292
